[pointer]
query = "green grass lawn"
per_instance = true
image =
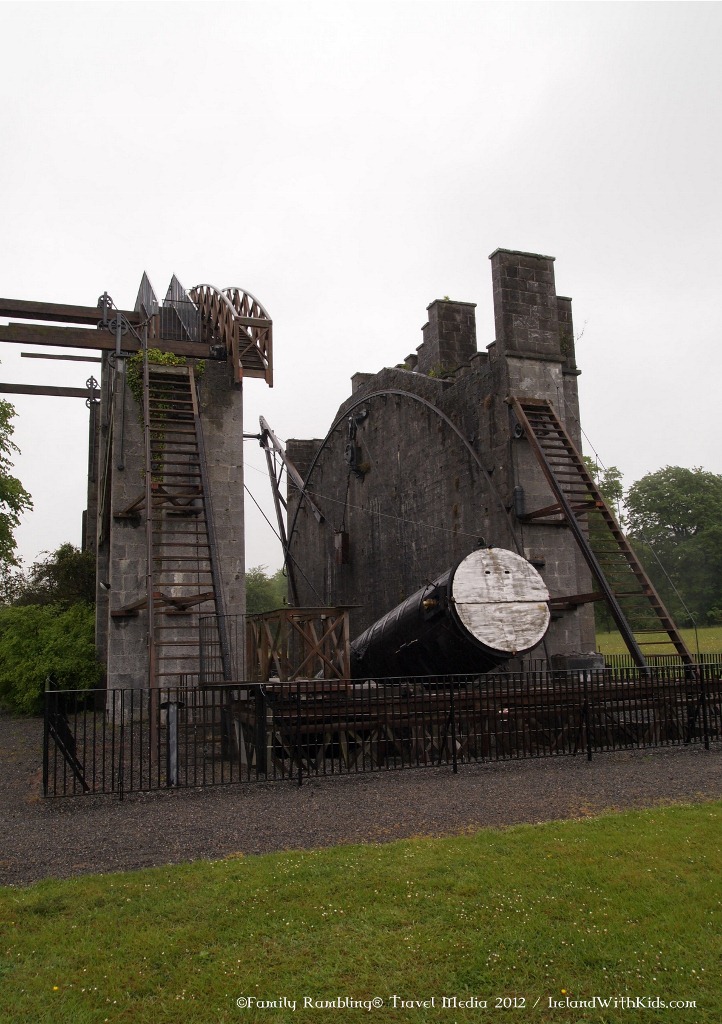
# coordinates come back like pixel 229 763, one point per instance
pixel 710 641
pixel 623 905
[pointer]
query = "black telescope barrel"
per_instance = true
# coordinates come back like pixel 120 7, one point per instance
pixel 488 608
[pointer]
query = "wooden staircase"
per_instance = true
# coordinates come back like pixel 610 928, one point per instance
pixel 182 574
pixel 579 505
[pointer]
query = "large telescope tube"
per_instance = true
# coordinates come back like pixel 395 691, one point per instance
pixel 492 606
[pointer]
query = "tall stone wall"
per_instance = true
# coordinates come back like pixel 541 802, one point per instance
pixel 121 543
pixel 423 464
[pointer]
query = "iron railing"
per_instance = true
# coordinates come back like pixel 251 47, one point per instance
pixel 657 660
pixel 133 740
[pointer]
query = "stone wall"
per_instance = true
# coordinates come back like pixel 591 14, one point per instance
pixel 121 543
pixel 423 465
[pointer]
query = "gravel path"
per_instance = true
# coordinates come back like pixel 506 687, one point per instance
pixel 81 835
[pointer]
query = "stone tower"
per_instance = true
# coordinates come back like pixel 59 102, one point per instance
pixel 169 471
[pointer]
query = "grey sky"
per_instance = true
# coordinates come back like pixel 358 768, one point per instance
pixel 348 164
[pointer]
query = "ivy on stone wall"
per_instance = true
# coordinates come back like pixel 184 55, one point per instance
pixel 135 369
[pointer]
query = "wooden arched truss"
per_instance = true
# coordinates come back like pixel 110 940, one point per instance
pixel 236 320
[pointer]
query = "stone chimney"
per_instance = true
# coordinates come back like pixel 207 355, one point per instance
pixel 449 337
pixel 526 314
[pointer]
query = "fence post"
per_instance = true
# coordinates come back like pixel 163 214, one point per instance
pixel 121 751
pixel 46 738
pixel 586 676
pixel 453 731
pixel 701 675
pixel 298 732
pixel 171 750
pixel 261 711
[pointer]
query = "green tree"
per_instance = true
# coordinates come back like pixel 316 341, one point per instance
pixel 609 481
pixel 14 499
pixel 12 582
pixel 700 572
pixel 264 592
pixel 676 514
pixel 38 642
pixel 674 504
pixel 64 577
pixel 47 628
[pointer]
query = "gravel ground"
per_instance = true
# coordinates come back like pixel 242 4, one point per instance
pixel 81 835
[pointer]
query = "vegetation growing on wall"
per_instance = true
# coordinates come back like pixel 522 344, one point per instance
pixel 159 358
pixel 134 369
pixel 135 383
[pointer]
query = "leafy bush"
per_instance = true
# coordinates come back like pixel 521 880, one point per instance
pixel 64 577
pixel 41 641
pixel 264 593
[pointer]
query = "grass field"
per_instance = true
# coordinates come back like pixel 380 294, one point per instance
pixel 710 641
pixel 626 905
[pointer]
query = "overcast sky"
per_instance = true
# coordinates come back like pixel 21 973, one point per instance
pixel 348 164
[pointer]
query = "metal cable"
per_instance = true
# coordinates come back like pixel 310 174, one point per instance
pixel 275 532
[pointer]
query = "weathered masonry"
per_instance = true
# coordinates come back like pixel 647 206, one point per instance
pixel 165 486
pixel 456 449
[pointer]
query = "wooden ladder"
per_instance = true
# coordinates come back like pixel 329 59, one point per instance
pixel 183 584
pixel 578 504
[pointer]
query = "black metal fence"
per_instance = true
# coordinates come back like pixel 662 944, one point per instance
pixel 659 660
pixel 122 741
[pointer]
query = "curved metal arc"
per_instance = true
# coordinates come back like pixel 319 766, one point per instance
pixel 429 405
pixel 216 291
pixel 235 288
pixel 203 295
pixel 224 299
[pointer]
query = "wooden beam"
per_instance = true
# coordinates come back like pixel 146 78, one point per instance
pixel 82 337
pixel 253 321
pixel 42 389
pixel 576 599
pixel 54 355
pixel 60 312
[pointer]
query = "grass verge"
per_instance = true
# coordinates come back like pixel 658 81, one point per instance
pixel 710 641
pixel 626 905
